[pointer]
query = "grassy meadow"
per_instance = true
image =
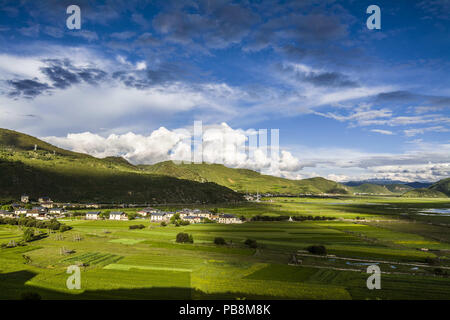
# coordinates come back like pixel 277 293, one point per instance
pixel 120 263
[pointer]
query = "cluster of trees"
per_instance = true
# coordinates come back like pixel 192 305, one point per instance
pixel 220 241
pixel 184 238
pixel 316 218
pixel 136 226
pixel 33 223
pixel 286 218
pixel 176 220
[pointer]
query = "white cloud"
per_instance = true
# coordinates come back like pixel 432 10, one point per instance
pixel 221 144
pixel 386 132
pixel 416 131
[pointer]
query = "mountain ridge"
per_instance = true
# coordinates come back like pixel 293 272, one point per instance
pixel 20 163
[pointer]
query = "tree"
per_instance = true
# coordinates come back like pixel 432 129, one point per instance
pixel 251 243
pixel 7 207
pixel 317 249
pixel 131 215
pixel 184 238
pixel 175 218
pixel 105 214
pixel 219 241
pixel 28 235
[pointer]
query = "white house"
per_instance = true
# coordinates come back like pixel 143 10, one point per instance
pixel 169 215
pixel 192 219
pixel 147 211
pixel 33 214
pixel 20 211
pixel 228 219
pixel 48 204
pixel 118 215
pixel 56 210
pixel 25 198
pixel 204 214
pixel 93 215
pixel 44 199
pixel 6 214
pixel 93 205
pixel 158 216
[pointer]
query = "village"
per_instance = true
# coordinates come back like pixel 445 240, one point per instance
pixel 46 209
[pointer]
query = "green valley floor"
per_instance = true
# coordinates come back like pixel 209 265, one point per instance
pixel 409 243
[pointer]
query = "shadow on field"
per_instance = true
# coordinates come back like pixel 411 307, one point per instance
pixel 13 287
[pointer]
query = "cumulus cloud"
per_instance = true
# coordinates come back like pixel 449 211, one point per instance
pixel 220 144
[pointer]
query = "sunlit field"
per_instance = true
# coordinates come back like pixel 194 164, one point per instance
pixel 411 246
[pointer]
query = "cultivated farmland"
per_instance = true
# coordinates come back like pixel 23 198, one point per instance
pixel 411 248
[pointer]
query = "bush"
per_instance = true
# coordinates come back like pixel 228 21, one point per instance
pixel 317 249
pixel 163 224
pixel 136 226
pixel 184 238
pixel 220 241
pixel 64 228
pixel 251 243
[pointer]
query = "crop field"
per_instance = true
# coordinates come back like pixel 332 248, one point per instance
pixel 412 251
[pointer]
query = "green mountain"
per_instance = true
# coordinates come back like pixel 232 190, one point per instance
pixel 424 193
pixel 69 176
pixel 442 186
pixel 244 180
pixel 398 188
pixel 369 188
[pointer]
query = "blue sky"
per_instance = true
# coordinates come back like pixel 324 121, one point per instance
pixel 350 103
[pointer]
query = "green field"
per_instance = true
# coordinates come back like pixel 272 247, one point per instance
pixel 119 263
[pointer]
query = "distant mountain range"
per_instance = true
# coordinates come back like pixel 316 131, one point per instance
pixel 77 177
pixel 385 182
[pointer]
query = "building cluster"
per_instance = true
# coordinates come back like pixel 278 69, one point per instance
pixel 46 209
pixel 156 215
pixel 191 215
pixel 37 212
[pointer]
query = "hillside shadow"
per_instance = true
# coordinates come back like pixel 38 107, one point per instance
pixel 14 287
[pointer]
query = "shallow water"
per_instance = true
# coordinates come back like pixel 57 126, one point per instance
pixel 437 212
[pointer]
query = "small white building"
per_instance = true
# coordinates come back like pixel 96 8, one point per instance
pixel 193 219
pixel 25 198
pixel 147 211
pixel 228 219
pixel 93 215
pixel 56 210
pixel 6 214
pixel 204 214
pixel 93 205
pixel 33 214
pixel 158 217
pixel 44 199
pixel 48 204
pixel 20 211
pixel 118 215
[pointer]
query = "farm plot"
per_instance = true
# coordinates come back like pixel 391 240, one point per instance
pixel 94 258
